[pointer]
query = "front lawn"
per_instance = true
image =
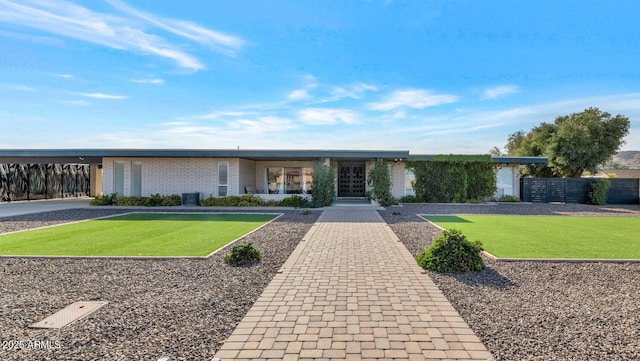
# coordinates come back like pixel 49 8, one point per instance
pixel 138 234
pixel 550 236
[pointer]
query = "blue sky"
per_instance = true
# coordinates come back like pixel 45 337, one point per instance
pixel 425 76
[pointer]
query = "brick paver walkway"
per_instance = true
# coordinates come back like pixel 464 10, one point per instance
pixel 352 291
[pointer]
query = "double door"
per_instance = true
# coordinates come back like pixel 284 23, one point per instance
pixel 351 179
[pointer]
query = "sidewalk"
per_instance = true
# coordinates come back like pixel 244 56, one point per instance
pixel 352 291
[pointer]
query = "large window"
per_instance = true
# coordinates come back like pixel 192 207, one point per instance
pixel 282 180
pixel 223 177
pixel 136 179
pixel 118 178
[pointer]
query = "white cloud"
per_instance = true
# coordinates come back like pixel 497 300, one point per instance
pixel 354 91
pixel 321 116
pixel 232 130
pixel 117 31
pixel 413 98
pixel 221 114
pixel 68 76
pixel 104 96
pixel 310 82
pixel 227 44
pixel 298 94
pixel 19 87
pixel 268 124
pixel 498 91
pixel 154 81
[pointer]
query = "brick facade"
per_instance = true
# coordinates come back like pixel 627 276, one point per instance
pixel 174 175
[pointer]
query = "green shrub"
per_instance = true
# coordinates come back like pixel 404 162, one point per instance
pixel 130 201
pixel 243 254
pixel 294 201
pixel 446 179
pixel 155 200
pixel 324 182
pixel 171 200
pixel 508 198
pixel 271 203
pixel 598 191
pixel 245 200
pixel 451 252
pixel 104 200
pixel 380 181
pixel 410 199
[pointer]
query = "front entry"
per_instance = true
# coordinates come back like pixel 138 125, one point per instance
pixel 351 179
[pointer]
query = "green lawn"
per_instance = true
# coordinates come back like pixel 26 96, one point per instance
pixel 139 234
pixel 550 236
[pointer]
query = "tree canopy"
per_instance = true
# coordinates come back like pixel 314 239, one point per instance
pixel 573 143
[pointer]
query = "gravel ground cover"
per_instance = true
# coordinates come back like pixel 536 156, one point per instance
pixel 179 308
pixel 538 311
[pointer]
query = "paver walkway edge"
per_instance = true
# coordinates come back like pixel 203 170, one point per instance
pixel 352 291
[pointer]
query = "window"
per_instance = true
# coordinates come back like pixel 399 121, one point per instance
pixel 409 179
pixel 223 177
pixel 118 178
pixel 275 180
pixel 136 179
pixel 289 180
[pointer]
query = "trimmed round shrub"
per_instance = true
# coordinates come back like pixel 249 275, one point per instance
pixel 452 252
pixel 242 255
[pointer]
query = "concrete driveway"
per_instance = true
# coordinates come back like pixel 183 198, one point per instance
pixel 26 207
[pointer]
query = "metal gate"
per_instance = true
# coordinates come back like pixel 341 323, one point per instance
pixel 576 190
pixel 43 181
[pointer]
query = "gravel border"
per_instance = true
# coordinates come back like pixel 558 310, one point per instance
pixel 538 310
pixel 181 308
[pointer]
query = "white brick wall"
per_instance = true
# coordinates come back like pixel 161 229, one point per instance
pixel 397 179
pixel 174 175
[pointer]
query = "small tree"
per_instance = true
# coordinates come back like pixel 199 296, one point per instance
pixel 380 181
pixel 324 184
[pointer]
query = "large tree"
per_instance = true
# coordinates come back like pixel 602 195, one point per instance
pixel 573 143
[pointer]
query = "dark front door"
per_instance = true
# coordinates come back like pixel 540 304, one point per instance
pixel 351 179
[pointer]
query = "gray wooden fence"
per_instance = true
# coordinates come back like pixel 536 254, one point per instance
pixel 575 190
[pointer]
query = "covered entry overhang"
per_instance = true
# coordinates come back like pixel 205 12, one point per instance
pixel 94 156
pixel 351 165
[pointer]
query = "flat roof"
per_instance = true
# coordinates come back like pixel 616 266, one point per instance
pixel 93 156
pixel 476 157
pixel 520 160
